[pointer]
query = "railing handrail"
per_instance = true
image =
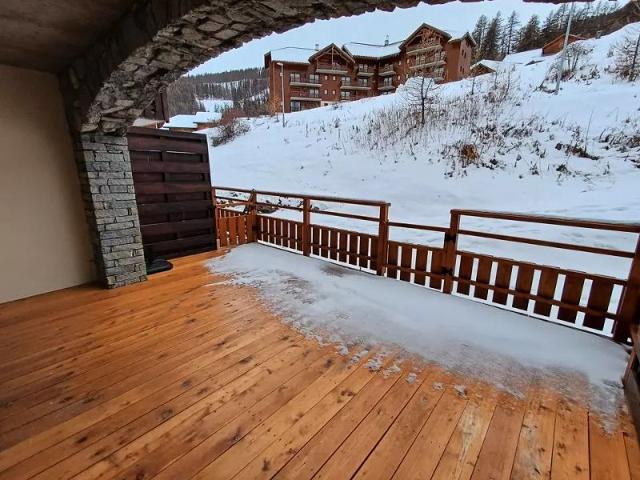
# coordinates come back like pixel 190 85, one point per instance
pixel 551 220
pixel 302 196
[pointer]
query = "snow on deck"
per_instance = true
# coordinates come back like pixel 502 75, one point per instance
pixel 348 307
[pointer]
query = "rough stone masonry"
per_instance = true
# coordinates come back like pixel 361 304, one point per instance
pixel 107 189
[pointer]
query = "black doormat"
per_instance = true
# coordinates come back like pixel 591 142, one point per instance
pixel 158 265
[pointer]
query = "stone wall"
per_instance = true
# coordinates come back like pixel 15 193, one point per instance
pixel 110 206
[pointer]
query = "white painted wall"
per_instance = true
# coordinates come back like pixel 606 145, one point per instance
pixel 44 240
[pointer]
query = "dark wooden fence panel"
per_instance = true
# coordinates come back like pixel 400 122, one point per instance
pixel 173 192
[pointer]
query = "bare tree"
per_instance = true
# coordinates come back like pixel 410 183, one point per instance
pixel 577 56
pixel 627 57
pixel 420 93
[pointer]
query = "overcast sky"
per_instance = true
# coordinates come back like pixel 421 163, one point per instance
pixel 372 28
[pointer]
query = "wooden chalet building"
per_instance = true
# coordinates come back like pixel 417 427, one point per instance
pixel 555 45
pixel 320 77
pixel 484 67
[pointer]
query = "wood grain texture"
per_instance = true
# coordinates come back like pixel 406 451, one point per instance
pixel 187 377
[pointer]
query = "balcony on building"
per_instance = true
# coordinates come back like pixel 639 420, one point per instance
pixel 386 71
pixel 331 68
pixel 386 87
pixel 310 96
pixel 347 84
pixel 305 81
pixel 366 71
pixel 428 63
pixel 424 47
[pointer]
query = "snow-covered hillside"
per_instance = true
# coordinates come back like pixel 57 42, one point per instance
pixel 574 154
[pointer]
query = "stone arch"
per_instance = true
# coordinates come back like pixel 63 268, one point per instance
pixel 107 88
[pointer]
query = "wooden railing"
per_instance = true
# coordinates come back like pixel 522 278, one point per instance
pixel 601 303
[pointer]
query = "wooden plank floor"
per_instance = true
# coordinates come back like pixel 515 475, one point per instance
pixel 183 377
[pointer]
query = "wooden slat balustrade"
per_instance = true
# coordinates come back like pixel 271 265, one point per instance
pixel 587 300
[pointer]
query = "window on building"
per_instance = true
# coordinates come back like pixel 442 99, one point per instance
pixel 314 93
pixel 294 77
pixel 326 92
pixel 388 82
pixel 333 92
pixel 363 82
pixel 346 80
pixel 345 95
pixel 295 106
pixel 326 77
pixel 334 77
pixel 314 78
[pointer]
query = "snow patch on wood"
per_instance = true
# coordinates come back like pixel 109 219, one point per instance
pixel 507 349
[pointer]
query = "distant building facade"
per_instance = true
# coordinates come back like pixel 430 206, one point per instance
pixel 307 78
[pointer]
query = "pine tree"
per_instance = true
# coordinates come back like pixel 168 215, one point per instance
pixel 550 28
pixel 510 34
pixel 478 35
pixel 490 49
pixel 529 35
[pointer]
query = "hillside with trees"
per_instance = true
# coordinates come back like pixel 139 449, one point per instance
pixel 246 88
pixel 499 36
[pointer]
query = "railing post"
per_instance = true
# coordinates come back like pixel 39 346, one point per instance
pixel 216 223
pixel 450 249
pixel 383 239
pixel 629 306
pixel 252 225
pixel 306 226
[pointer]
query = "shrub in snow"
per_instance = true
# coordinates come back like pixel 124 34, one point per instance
pixel 577 60
pixel 228 132
pixel 420 94
pixel 627 57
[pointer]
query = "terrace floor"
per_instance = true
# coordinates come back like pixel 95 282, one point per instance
pixel 185 377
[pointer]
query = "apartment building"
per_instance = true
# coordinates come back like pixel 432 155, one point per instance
pixel 307 78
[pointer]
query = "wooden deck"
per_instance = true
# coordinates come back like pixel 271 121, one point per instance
pixel 182 377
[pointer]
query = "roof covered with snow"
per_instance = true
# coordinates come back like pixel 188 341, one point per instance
pixel 291 54
pixel 524 57
pixel 370 50
pixel 358 49
pixel 189 121
pixel 492 64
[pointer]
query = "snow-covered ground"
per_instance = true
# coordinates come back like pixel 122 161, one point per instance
pixel 216 104
pixel 520 131
pixel 356 311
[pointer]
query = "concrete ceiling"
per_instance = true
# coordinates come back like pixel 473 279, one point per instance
pixel 48 34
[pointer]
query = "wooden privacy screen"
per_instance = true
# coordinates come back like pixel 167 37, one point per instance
pixel 601 303
pixel 173 191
